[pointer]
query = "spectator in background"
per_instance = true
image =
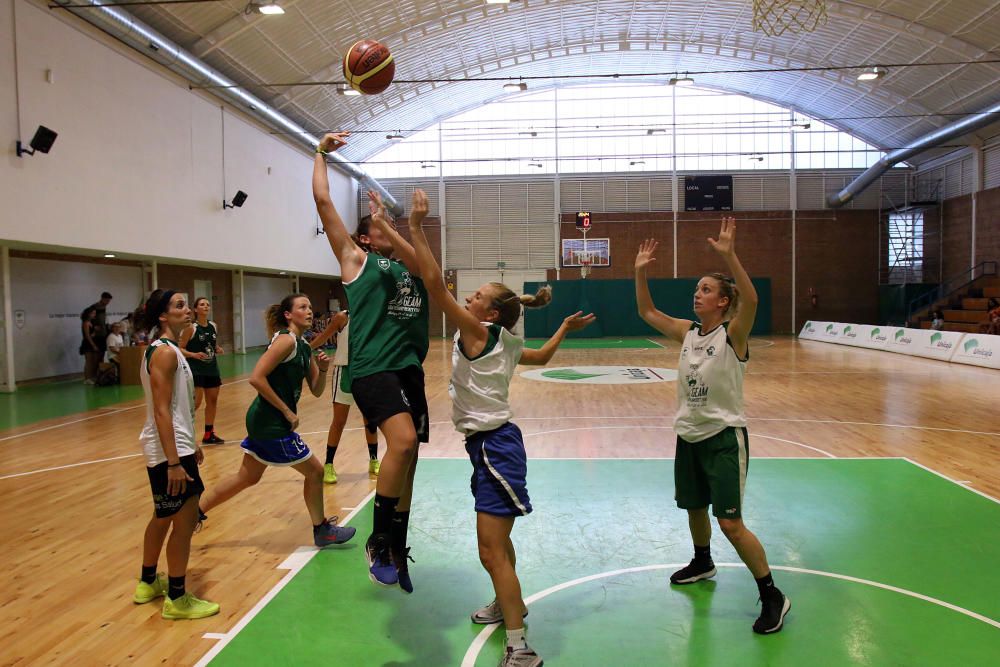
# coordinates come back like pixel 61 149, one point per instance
pixel 101 319
pixel 126 329
pixel 937 320
pixel 115 342
pixel 993 318
pixel 89 348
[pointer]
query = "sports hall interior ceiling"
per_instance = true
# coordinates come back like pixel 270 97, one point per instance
pixel 469 39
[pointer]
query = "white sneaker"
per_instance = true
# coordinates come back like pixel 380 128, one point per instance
pixel 521 657
pixel 489 614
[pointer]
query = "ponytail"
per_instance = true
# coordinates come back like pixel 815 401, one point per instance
pixel 508 303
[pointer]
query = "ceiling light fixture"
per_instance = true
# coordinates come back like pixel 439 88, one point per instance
pixel 267 8
pixel 535 164
pixel 636 162
pixel 530 133
pixel 427 165
pixel 873 74
pixel 655 130
pixel 801 126
pixel 758 158
pixel 520 86
pixel 109 255
pixel 682 81
pixel 394 136
pixel 347 90
pixel 497 2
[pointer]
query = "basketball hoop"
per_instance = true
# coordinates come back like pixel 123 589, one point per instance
pixel 586 261
pixel 775 17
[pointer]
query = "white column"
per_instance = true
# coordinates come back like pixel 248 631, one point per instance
pixel 443 217
pixel 154 277
pixel 7 383
pixel 673 170
pixel 239 320
pixel 977 187
pixel 557 198
pixel 793 203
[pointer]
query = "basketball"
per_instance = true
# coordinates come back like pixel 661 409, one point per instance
pixel 368 67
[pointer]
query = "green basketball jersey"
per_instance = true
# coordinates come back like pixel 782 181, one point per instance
pixel 388 318
pixel 264 421
pixel 204 339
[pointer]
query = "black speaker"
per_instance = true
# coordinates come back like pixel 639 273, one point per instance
pixel 43 139
pixel 239 198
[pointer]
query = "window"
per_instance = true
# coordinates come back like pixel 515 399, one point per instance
pixel 620 128
pixel 906 247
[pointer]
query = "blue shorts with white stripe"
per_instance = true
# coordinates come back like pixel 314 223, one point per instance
pixel 499 471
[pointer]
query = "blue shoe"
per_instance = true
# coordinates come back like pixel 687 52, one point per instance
pixel 403 570
pixel 330 533
pixel 380 568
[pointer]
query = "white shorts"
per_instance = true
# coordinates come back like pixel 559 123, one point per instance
pixel 339 395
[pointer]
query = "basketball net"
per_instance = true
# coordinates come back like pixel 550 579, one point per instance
pixel 586 260
pixel 775 17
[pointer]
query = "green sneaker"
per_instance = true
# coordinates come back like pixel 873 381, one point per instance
pixel 188 606
pixel 373 466
pixel 329 474
pixel 148 592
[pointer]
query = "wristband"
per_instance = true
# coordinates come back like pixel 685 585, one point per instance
pixel 173 465
pixel 320 151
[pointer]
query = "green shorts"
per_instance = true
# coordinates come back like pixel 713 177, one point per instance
pixel 713 472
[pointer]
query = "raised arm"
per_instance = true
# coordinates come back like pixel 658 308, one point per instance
pixel 402 249
pixel 348 253
pixel 671 327
pixel 543 355
pixel 742 322
pixel 473 334
pixel 335 324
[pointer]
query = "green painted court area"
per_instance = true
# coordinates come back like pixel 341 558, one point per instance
pixel 882 520
pixel 49 400
pixel 596 343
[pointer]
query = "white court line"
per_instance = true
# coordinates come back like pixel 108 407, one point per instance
pixel 967 488
pixel 71 465
pixel 85 419
pixel 656 344
pixel 295 562
pixel 469 660
pixel 670 428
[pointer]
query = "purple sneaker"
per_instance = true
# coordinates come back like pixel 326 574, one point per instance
pixel 329 533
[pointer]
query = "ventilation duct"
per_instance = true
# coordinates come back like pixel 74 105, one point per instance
pixel 138 35
pixel 935 138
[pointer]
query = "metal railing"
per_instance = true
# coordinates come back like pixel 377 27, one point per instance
pixel 952 285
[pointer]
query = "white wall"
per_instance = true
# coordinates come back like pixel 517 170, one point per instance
pixel 52 295
pixel 259 293
pixel 138 164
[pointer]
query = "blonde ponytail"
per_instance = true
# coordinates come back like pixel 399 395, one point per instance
pixel 508 304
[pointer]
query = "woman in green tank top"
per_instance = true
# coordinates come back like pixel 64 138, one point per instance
pixel 389 340
pixel 199 344
pixel 272 420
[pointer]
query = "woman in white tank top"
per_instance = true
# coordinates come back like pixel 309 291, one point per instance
pixel 712 449
pixel 172 458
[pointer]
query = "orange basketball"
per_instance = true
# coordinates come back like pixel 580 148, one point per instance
pixel 368 67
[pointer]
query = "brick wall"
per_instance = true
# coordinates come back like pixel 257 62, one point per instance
pixel 988 226
pixel 837 256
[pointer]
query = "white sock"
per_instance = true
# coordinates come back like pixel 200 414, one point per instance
pixel 515 639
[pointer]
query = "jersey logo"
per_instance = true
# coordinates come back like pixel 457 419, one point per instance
pixel 710 351
pixel 383 264
pixel 407 302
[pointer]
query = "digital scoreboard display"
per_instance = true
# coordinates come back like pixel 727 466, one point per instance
pixel 708 193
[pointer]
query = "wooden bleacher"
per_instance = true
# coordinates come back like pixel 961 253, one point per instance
pixel 967 311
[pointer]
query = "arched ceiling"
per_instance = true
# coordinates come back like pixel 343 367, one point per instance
pixel 469 39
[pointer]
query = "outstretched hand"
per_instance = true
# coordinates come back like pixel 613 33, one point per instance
pixel 726 245
pixel 578 321
pixel 332 141
pixel 645 256
pixel 376 206
pixel 418 207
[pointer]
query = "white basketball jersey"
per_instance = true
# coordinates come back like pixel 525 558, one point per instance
pixel 340 354
pixel 479 386
pixel 181 409
pixel 709 385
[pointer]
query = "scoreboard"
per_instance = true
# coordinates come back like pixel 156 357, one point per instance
pixel 708 193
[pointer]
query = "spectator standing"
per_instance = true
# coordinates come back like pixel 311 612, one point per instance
pixel 89 347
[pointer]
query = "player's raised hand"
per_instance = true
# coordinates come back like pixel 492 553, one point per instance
pixel 645 256
pixel 726 245
pixel 578 320
pixel 332 141
pixel 418 207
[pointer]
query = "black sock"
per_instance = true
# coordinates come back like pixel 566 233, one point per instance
pixel 385 508
pixel 149 573
pixel 703 554
pixel 317 526
pixel 373 451
pixel 330 453
pixel 209 428
pixel 400 524
pixel 765 586
pixel 176 587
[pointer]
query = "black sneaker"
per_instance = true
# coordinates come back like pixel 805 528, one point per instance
pixel 772 614
pixel 403 569
pixel 201 521
pixel 696 570
pixel 212 439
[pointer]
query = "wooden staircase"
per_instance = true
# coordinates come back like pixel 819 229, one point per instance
pixel 964 311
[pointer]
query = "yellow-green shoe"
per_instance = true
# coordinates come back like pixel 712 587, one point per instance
pixel 373 466
pixel 188 606
pixel 329 474
pixel 148 592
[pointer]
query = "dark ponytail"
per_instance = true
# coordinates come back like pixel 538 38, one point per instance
pixel 274 316
pixel 156 305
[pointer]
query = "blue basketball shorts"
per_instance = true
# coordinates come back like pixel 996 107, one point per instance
pixel 286 451
pixel 499 471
